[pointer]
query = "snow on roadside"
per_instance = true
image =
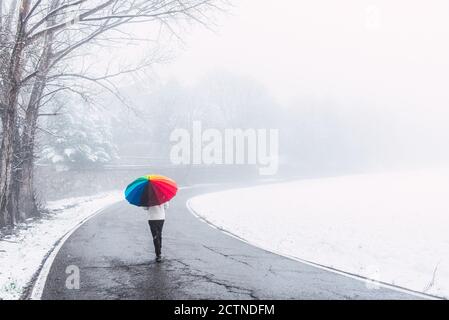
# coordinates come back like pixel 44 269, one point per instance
pixel 388 227
pixel 22 254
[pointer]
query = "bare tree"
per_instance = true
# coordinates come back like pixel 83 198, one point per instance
pixel 11 88
pixel 39 39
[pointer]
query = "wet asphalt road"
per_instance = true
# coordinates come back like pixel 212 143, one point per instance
pixel 115 256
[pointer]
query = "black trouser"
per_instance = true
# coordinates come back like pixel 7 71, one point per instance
pixel 156 231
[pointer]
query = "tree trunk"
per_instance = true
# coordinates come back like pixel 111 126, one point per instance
pixel 8 198
pixel 6 174
pixel 28 206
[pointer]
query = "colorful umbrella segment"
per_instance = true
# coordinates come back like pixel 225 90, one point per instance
pixel 150 190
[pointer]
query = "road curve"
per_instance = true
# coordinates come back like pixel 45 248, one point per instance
pixel 114 254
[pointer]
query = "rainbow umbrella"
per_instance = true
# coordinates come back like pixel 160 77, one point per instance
pixel 150 190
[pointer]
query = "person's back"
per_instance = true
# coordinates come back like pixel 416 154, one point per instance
pixel 157 212
pixel 156 218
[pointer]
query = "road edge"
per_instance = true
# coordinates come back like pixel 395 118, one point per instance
pixel 386 285
pixel 40 279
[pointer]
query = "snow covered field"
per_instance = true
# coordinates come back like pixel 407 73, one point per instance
pixel 390 227
pixel 22 254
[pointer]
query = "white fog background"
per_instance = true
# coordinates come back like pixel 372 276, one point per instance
pixel 360 83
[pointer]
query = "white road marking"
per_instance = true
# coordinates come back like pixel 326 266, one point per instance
pixel 39 284
pixel 310 263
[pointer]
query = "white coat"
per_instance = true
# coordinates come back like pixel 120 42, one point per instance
pixel 156 212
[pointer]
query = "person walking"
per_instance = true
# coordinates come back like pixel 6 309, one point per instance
pixel 156 219
pixel 153 192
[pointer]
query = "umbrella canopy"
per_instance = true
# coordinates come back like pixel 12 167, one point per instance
pixel 150 190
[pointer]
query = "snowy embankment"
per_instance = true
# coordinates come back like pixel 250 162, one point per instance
pixel 388 227
pixel 22 254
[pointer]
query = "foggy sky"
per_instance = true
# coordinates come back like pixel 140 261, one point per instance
pixel 390 58
pixel 392 52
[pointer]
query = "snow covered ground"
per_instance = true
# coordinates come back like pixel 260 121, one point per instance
pixel 390 227
pixel 22 254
